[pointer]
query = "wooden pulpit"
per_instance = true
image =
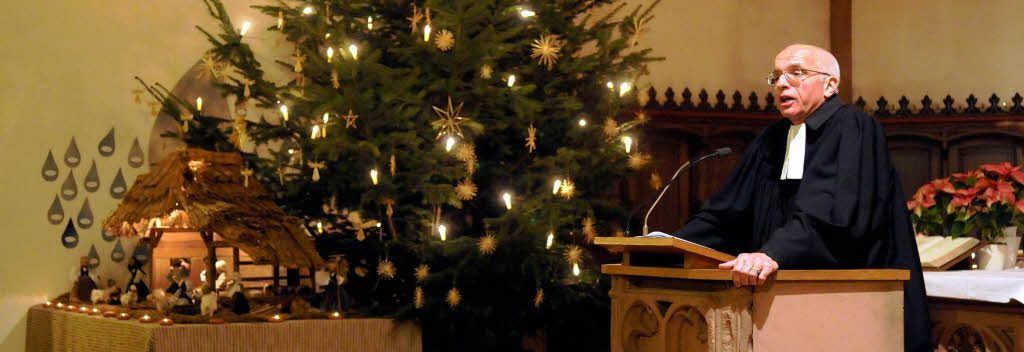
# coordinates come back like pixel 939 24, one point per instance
pixel 695 306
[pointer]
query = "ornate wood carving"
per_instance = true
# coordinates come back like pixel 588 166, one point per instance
pixel 975 326
pixel 925 143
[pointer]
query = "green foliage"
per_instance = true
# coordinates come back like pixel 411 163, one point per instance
pixel 393 86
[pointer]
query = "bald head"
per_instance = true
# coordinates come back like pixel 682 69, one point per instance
pixel 811 76
pixel 815 58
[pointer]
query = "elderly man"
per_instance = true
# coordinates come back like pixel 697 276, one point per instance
pixel 816 190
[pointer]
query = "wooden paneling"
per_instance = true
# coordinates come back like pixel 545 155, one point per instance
pixel 917 160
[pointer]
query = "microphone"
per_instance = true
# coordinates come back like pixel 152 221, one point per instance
pixel 720 152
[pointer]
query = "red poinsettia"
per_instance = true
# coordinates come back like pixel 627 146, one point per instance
pixel 1002 192
pixel 972 175
pixel 978 202
pixel 962 198
pixel 1004 170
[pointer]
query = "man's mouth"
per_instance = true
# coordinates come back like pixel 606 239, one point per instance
pixel 783 100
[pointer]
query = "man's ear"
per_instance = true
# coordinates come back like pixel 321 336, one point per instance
pixel 831 87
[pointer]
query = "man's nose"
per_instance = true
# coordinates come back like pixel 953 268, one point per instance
pixel 783 82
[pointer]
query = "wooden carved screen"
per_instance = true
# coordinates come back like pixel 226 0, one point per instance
pixel 925 143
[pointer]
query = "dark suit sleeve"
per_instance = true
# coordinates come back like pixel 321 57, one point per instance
pixel 841 206
pixel 724 221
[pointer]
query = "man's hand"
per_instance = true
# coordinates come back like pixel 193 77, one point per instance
pixel 750 268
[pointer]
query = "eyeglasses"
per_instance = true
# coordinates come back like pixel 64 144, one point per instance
pixel 794 75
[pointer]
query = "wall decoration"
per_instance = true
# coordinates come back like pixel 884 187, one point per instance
pixel 56 213
pixel 92 179
pixel 50 171
pixel 141 253
pixel 85 218
pixel 117 255
pixel 94 258
pixel 70 236
pixel 106 146
pixel 72 157
pixel 108 236
pixel 118 187
pixel 69 190
pixel 135 157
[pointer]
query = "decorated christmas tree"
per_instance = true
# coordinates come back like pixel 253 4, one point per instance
pixel 459 156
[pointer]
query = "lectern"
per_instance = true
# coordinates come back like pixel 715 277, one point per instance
pixel 695 307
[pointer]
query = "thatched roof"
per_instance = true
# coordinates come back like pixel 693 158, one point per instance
pixel 212 192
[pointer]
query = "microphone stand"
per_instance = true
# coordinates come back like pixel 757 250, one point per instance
pixel 675 177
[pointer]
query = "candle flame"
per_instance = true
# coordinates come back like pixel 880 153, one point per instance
pixel 199 103
pixel 373 176
pixel 610 85
pixel 316 131
pixel 551 240
pixel 628 141
pixel 441 231
pixel 511 80
pixel 508 200
pixel 576 269
pixel 426 33
pixel 330 53
pixel 558 185
pixel 308 10
pixel 245 27
pixel 526 13
pixel 448 144
pixel 319 227
pixel 624 88
pixel 284 112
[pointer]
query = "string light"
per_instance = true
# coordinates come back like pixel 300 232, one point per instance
pixel 199 104
pixel 623 88
pixel 284 112
pixel 526 13
pixel 551 240
pixel 280 20
pixel 330 53
pixel 326 115
pixel 354 50
pixel 245 27
pixel 628 141
pixel 373 176
pixel 426 33
pixel 319 227
pixel 316 132
pixel 291 151
pixel 511 80
pixel 449 143
pixel 610 85
pixel 308 10
pixel 369 23
pixel 327 36
pixel 441 231
pixel 558 185
pixel 583 123
pixel 508 200
pixel 576 269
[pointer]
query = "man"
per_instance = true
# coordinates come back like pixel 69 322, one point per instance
pixel 816 190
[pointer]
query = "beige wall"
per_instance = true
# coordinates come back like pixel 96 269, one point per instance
pixel 919 47
pixel 67 70
pixel 728 44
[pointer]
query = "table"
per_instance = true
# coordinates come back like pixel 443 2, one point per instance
pixel 977 309
pixel 56 330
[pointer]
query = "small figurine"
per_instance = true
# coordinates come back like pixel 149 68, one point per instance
pixel 208 304
pixel 130 297
pixel 84 284
pixel 240 303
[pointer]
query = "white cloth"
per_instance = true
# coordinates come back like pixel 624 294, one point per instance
pixel 977 285
pixel 796 142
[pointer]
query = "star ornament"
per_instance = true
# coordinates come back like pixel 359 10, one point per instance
pixel 449 121
pixel 454 298
pixel 539 298
pixel 444 40
pixel 350 119
pixel 638 160
pixel 422 272
pixel 386 269
pixel 466 190
pixel 418 297
pixel 588 229
pixel 486 71
pixel 567 189
pixel 611 128
pixel 574 254
pixel 531 140
pixel 414 20
pixel 547 49
pixel 487 244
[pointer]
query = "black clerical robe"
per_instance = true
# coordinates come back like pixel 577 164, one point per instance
pixel 847 212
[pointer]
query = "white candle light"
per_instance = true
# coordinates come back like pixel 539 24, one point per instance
pixel 369 23
pixel 628 141
pixel 448 144
pixel 330 54
pixel 199 103
pixel 316 131
pixel 373 176
pixel 508 200
pixel 583 123
pixel 426 33
pixel 441 231
pixel 354 50
pixel 284 112
pixel 526 13
pixel 624 88
pixel 558 185
pixel 511 80
pixel 245 27
pixel 551 240
pixel 308 10
pixel 576 269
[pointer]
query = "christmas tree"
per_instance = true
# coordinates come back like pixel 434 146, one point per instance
pixel 461 155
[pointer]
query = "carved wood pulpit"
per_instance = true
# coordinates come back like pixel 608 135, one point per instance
pixel 691 305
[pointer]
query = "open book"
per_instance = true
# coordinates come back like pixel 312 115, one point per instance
pixel 939 252
pixel 657 234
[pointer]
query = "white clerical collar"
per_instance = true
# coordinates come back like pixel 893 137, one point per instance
pixel 796 142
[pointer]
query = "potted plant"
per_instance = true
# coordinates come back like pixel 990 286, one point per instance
pixel 987 203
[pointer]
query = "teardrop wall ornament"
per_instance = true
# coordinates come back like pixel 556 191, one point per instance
pixel 141 253
pixel 117 187
pixel 107 144
pixel 135 157
pixel 117 255
pixel 94 258
pixel 108 235
pixel 85 218
pixel 69 190
pixel 70 236
pixel 56 213
pixel 72 157
pixel 92 179
pixel 50 171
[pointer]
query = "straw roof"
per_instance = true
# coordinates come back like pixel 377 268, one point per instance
pixel 209 188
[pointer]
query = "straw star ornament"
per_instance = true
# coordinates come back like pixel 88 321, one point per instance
pixel 454 298
pixel 547 49
pixel 350 119
pixel 422 272
pixel 386 269
pixel 414 20
pixel 466 190
pixel 486 71
pixel 531 140
pixel 449 121
pixel 487 244
pixel 444 40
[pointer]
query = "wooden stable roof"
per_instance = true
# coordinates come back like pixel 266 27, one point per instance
pixel 210 188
